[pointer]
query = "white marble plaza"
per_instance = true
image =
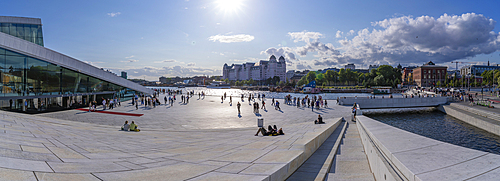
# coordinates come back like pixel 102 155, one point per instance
pixel 202 140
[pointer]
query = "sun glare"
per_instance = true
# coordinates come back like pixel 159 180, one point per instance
pixel 229 5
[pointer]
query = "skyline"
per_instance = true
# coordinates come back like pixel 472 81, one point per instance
pixel 188 37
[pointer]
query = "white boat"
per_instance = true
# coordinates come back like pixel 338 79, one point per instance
pixel 219 85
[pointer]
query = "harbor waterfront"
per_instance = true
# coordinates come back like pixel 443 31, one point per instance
pixel 238 92
pixel 432 123
pixel 205 137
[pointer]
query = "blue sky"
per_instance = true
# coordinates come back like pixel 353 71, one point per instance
pixel 183 38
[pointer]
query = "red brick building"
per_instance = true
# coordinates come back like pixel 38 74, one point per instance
pixel 407 75
pixel 429 74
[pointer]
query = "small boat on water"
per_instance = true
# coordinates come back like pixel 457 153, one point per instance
pixel 381 90
pixel 219 85
pixel 311 88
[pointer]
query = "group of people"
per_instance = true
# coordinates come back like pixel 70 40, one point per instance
pixel 110 103
pixel 130 127
pixel 92 105
pixel 271 131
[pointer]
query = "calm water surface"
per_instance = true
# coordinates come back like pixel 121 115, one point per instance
pixel 434 124
pixel 238 92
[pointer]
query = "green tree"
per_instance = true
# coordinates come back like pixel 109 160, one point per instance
pixel 250 82
pixel 387 71
pixel 320 78
pixel 311 76
pixel 281 83
pixel 331 76
pixel 379 80
pixel 302 81
pixel 276 80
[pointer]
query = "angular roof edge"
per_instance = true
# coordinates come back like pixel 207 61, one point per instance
pixel 30 49
pixel 20 20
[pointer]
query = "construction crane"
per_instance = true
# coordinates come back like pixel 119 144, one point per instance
pixel 456 63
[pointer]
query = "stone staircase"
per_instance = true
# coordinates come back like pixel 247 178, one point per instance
pixel 350 162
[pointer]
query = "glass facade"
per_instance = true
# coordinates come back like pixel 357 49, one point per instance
pixel 28 32
pixel 28 78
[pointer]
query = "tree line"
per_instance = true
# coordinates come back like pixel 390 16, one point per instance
pixel 384 75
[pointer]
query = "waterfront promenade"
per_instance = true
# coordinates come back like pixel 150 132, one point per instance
pixel 202 140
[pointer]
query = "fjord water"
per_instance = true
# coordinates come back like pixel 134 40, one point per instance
pixel 434 124
pixel 280 95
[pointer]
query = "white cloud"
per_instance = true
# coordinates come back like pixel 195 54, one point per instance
pixel 404 40
pixel 339 34
pixel 286 52
pixel 114 14
pixel 231 38
pixel 129 57
pixel 301 66
pixel 247 59
pixel 191 64
pixel 165 61
pixel 305 36
pixel 131 60
pixel 351 32
pixel 411 40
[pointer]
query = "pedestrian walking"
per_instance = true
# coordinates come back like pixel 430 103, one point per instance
pixel 263 104
pixel 238 106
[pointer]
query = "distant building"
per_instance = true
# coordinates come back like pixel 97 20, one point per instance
pixel 163 80
pixel 124 75
pixel 201 80
pixel 372 67
pixel 360 70
pixel 350 66
pixel 289 74
pixel 429 74
pixel 333 69
pixel 476 69
pixel 407 75
pixel 261 71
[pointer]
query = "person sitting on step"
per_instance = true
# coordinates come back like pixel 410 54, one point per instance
pixel 126 126
pixel 133 127
pixel 319 121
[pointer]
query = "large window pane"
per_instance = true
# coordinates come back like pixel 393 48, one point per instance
pixel 39 32
pixel 12 30
pixel 83 85
pixel 2 62
pixel 39 41
pixel 5 28
pixel 12 76
pixel 95 85
pixel 70 81
pixel 19 30
pixel 11 53
pixel 36 74
pixel 51 84
pixel 33 33
pixel 27 35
